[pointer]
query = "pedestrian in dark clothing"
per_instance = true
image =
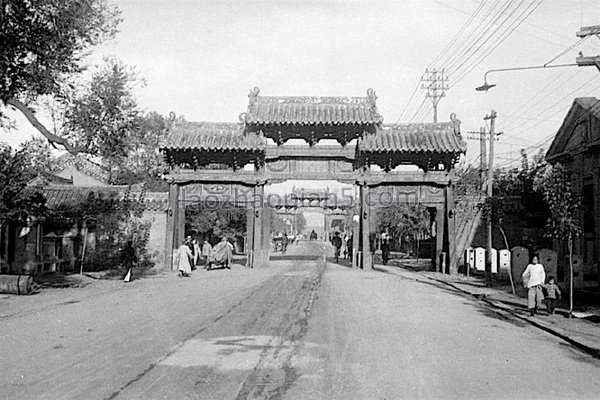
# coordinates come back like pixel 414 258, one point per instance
pixel 552 294
pixel 349 244
pixel 337 243
pixel 128 258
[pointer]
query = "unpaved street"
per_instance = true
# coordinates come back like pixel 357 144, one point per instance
pixel 298 329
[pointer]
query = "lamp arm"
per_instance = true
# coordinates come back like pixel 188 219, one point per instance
pixel 524 68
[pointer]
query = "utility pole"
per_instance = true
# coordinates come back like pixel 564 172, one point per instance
pixel 436 85
pixel 481 136
pixel 490 193
pixel 583 61
pixel 483 153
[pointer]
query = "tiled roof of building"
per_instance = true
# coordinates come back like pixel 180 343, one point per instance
pixel 46 178
pixel 414 138
pixel 212 136
pixel 70 196
pixel 312 110
pixel 574 116
pixel 84 165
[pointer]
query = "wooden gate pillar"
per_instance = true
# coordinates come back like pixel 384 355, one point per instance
pixel 171 236
pixel 258 256
pixel 450 226
pixel 365 222
pixel 248 245
pixel 440 223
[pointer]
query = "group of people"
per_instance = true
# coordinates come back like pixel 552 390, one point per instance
pixel 538 290
pixel 190 255
pixel 342 244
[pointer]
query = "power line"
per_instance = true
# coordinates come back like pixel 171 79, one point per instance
pixel 409 101
pixel 463 29
pixel 461 53
pixel 458 34
pixel 503 36
pixel 548 138
pixel 558 102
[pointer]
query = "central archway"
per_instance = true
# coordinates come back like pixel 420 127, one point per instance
pixel 237 161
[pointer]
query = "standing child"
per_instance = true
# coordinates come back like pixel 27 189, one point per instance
pixel 552 293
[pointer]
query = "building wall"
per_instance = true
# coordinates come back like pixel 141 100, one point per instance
pixel 156 239
pixel 79 178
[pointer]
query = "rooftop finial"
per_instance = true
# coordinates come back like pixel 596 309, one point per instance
pixel 254 93
pixel 456 123
pixel 371 94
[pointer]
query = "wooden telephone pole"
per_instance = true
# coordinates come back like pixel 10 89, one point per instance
pixel 490 193
pixel 583 61
pixel 436 84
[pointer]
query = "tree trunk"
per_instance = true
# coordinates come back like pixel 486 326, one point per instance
pixel 571 286
pixel 512 284
pixel 52 138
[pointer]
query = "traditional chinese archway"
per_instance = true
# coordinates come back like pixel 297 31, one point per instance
pixel 230 163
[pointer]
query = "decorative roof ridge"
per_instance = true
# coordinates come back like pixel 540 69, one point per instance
pixel 368 100
pixel 408 124
pixel 454 123
pixel 225 125
pixel 107 188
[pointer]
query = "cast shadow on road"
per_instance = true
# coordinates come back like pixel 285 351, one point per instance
pixel 295 258
pixel 341 262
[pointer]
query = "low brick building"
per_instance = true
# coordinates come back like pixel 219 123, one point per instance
pixel 58 245
pixel 577 147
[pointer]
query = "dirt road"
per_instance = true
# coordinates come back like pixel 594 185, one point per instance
pixel 298 329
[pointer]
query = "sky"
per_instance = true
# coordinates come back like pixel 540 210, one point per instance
pixel 201 58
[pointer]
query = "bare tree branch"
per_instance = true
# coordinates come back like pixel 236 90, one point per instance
pixel 52 138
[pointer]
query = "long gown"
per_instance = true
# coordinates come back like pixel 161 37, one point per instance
pixel 185 255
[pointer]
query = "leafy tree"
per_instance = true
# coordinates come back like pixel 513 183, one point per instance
pixel 43 43
pixel 144 162
pixel 37 155
pixel 563 223
pixel 17 203
pixel 405 221
pixel 214 223
pixel 103 116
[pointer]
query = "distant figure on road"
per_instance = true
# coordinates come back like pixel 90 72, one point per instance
pixel 534 277
pixel 552 294
pixel 313 235
pixel 196 252
pixel 349 244
pixel 184 260
pixel 128 258
pixel 284 243
pixel 337 243
pixel 206 249
pixel 385 246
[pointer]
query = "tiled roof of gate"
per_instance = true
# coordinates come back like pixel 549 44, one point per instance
pixel 212 136
pixel 414 138
pixel 301 110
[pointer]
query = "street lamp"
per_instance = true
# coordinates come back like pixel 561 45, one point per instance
pixel 486 86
